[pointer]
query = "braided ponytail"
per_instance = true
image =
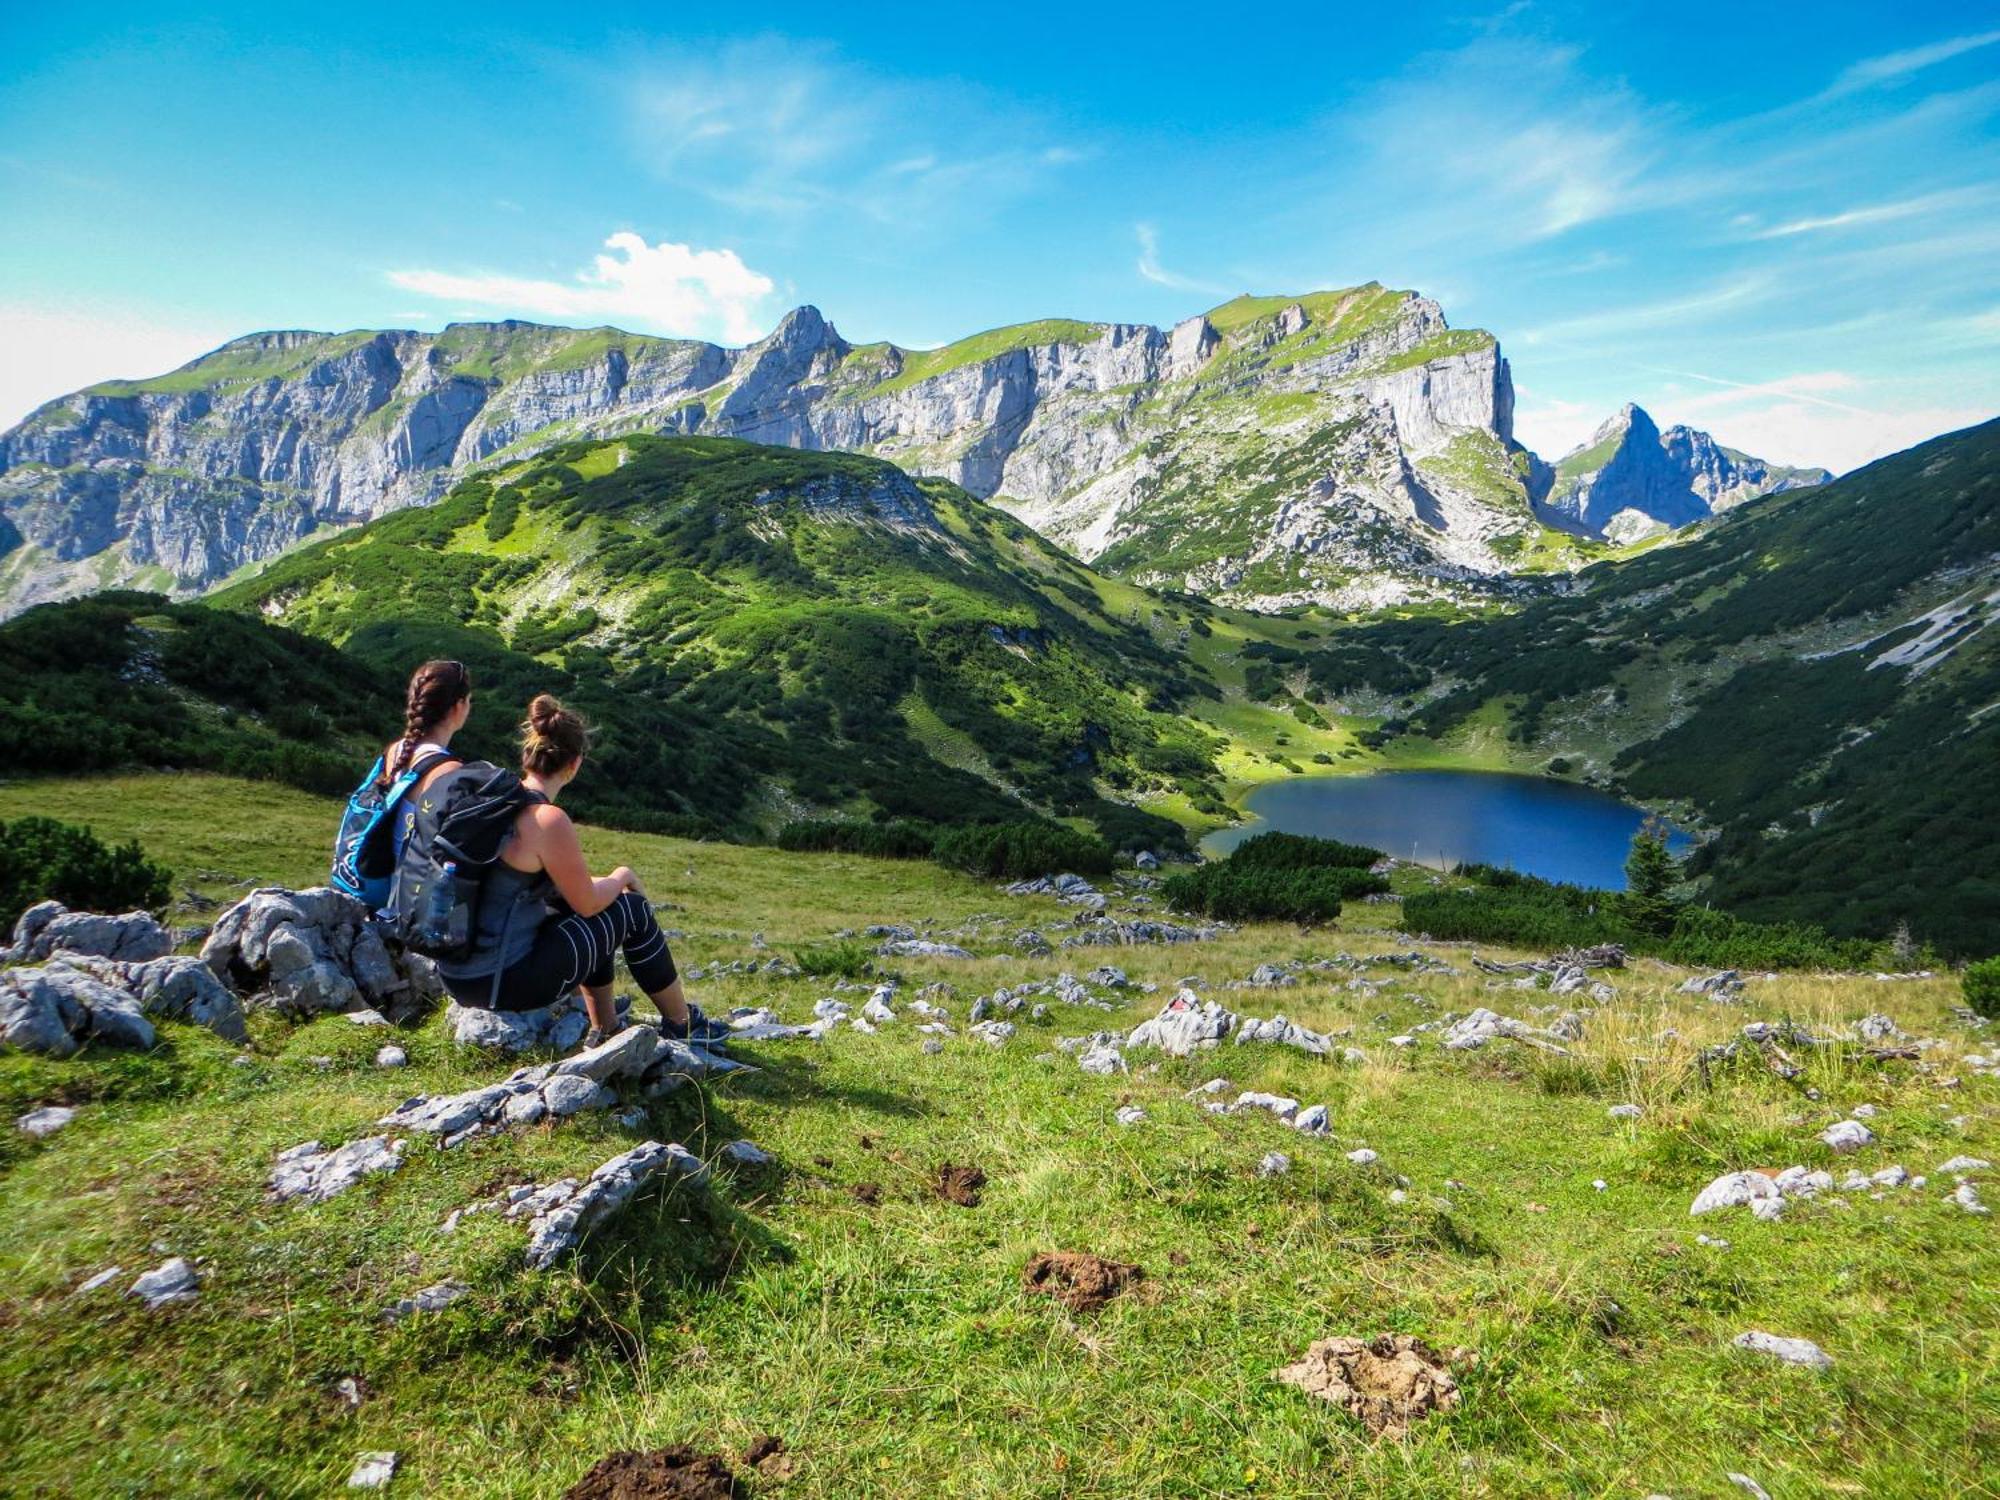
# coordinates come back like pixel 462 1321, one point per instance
pixel 436 688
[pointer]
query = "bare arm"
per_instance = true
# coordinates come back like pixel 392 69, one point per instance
pixel 551 836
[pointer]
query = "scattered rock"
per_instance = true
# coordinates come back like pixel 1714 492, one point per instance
pixel 561 1215
pixel 1724 985
pixel 1878 1028
pixel 1750 1486
pixel 57 1008
pixel 1483 1025
pixel 172 1281
pixel 392 1056
pixel 45 1121
pixel 1625 1112
pixel 102 1279
pixel 1186 1023
pixel 1363 1157
pixel 1791 1351
pixel 1734 1190
pixel 554 1028
pixel 677 1473
pixel 310 1172
pixel 1963 1164
pixel 960 1185
pixel 1103 1056
pixel 1966 1196
pixel 1847 1135
pixel 921 948
pixel 747 1154
pixel 372 1471
pixel 1079 1281
pixel 1274 1164
pixel 1312 1120
pixel 435 1298
pixel 49 927
pixel 1284 1032
pixel 1131 1114
pixel 1387 1383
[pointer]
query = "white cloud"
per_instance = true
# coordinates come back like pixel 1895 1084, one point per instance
pixel 55 349
pixel 1153 271
pixel 1822 433
pixel 663 288
pixel 1891 66
pixel 1552 426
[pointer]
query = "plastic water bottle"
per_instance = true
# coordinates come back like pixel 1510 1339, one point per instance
pixel 437 907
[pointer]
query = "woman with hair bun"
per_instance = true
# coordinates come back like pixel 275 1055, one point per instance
pixel 540 955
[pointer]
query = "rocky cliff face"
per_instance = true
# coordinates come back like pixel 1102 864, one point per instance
pixel 1345 446
pixel 1631 480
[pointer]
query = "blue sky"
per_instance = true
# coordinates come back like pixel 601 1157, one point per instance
pixel 1778 222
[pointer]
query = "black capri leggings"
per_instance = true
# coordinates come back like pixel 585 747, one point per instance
pixel 575 950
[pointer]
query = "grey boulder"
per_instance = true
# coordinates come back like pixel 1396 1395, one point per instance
pixel 170 1282
pixel 49 927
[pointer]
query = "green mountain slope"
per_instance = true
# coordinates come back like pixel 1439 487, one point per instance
pixel 1815 678
pixel 763 632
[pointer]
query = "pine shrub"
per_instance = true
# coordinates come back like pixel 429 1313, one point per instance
pixel 1981 986
pixel 44 860
pixel 1021 851
pixel 1254 893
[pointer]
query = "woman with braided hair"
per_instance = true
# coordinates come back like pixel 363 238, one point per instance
pixel 438 703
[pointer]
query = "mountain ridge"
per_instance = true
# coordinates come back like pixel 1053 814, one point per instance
pixel 1347 447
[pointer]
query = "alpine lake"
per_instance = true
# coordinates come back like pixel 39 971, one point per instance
pixel 1558 830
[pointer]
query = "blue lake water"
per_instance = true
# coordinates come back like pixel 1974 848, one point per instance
pixel 1555 829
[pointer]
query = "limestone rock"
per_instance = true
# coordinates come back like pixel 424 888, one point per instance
pixel 172 1281
pixel 433 1298
pixel 1847 1135
pixel 1283 1032
pixel 49 927
pixel 563 1215
pixel 45 1121
pixel 1791 1351
pixel 1734 1190
pixel 372 1471
pixel 554 1028
pixel 309 1171
pixel 314 952
pixel 1184 1025
pixel 56 1008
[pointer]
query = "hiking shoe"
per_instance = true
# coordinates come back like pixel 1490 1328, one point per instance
pixel 698 1028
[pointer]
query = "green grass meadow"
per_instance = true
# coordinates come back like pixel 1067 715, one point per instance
pixel 890 1344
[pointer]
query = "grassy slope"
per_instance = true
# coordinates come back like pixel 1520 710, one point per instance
pixel 890 1346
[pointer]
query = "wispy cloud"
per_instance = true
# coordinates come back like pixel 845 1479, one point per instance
pixel 791 131
pixel 662 288
pixel 1892 67
pixel 1809 387
pixel 1874 213
pixel 1730 296
pixel 1153 271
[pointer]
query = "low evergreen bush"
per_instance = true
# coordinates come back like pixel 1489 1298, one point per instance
pixel 845 959
pixel 1021 851
pixel 902 838
pixel 1981 986
pixel 1257 893
pixel 44 860
pixel 1296 851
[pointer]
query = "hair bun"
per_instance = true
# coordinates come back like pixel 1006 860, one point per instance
pixel 551 736
pixel 543 712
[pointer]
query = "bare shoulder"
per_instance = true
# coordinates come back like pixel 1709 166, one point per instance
pixel 544 820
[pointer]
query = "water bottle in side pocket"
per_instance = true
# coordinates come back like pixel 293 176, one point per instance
pixel 438 902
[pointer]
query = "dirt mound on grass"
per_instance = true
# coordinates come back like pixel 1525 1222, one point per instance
pixel 1388 1382
pixel 1080 1282
pixel 676 1473
pixel 960 1185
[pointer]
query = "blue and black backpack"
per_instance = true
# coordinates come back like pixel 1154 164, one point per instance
pixel 364 853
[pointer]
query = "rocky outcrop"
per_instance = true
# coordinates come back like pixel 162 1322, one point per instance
pixel 103 978
pixel 314 952
pixel 1631 480
pixel 50 927
pixel 1290 445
